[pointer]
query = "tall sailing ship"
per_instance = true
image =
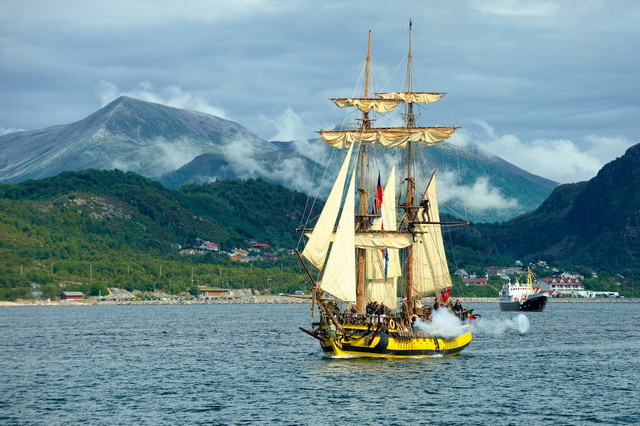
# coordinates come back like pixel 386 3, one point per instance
pixel 369 240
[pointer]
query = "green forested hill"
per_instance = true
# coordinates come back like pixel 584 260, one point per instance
pixel 111 228
pixel 595 224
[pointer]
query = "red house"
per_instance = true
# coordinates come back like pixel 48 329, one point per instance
pixel 71 295
pixel 474 281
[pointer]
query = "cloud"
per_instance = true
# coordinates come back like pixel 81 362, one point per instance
pixel 240 156
pixel 479 196
pixel 4 131
pixel 291 172
pixel 176 153
pixel 561 160
pixel 172 96
pixel 519 8
pixel 288 126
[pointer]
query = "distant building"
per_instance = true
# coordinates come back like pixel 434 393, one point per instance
pixel 214 292
pixel 208 246
pixel 571 274
pixel 562 286
pixel 71 295
pixel 462 273
pixel 504 271
pixel 474 281
pixel 259 246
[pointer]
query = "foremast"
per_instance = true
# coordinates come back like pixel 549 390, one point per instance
pixel 411 183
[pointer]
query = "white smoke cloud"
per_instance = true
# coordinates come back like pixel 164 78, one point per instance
pixel 479 196
pixel 498 327
pixel 172 96
pixel 561 160
pixel 443 323
pixel 446 324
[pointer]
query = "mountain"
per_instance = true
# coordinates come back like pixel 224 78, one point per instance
pixel 128 134
pixel 179 147
pixel 588 223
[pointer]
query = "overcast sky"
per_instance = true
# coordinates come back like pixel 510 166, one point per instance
pixel 552 86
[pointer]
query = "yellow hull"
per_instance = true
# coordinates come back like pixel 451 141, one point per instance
pixel 361 342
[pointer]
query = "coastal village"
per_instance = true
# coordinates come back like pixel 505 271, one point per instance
pixel 256 251
pixel 560 284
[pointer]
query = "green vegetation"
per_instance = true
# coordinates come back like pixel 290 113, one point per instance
pixel 90 230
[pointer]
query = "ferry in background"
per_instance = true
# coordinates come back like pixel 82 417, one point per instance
pixel 522 297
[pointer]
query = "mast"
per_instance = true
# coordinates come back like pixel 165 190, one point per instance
pixel 411 212
pixel 364 193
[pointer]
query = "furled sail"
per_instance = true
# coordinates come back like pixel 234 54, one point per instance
pixel 412 97
pixel 339 277
pixel 387 137
pixel 366 105
pixel 430 270
pixel 315 251
pixel 383 262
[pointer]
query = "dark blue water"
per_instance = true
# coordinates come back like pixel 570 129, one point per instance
pixel 249 364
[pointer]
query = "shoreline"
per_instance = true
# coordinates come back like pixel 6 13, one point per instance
pixel 269 300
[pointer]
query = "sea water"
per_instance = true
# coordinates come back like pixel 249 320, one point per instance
pixel 576 363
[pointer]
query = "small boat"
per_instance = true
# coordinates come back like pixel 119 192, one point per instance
pixel 522 297
pixel 367 242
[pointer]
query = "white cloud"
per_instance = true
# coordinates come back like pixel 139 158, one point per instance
pixel 517 8
pixel 291 172
pixel 288 125
pixel 479 196
pixel 172 96
pixel 4 131
pixel 177 153
pixel 561 160
pixel 240 156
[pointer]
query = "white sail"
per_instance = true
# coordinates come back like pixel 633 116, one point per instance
pixel 383 263
pixel 412 97
pixel 430 270
pixel 340 274
pixel 387 137
pixel 366 105
pixel 315 251
pixel 382 291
